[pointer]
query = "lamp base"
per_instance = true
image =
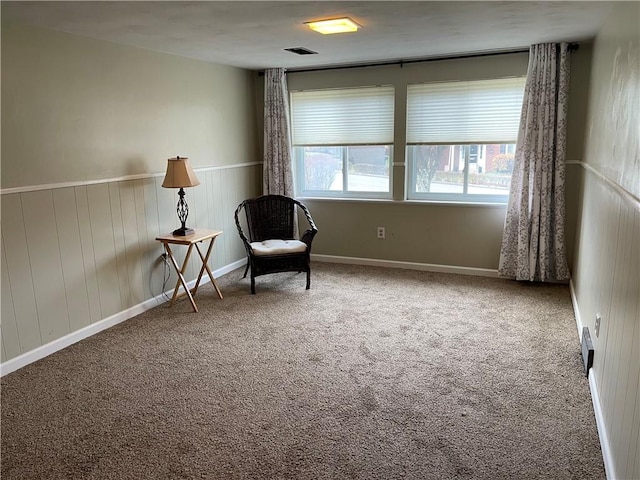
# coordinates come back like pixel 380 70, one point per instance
pixel 183 232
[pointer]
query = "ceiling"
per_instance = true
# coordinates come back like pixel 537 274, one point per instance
pixel 254 35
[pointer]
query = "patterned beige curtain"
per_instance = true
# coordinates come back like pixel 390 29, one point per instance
pixel 533 242
pixel 278 176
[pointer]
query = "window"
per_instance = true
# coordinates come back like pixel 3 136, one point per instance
pixel 342 141
pixel 461 139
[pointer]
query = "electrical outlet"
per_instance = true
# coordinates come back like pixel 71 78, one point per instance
pixel 381 232
pixel 597 327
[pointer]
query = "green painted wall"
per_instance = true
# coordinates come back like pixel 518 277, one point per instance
pixel 443 234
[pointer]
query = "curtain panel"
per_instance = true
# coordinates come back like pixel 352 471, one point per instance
pixel 533 243
pixel 277 170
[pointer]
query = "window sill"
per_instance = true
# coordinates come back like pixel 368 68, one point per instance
pixel 435 203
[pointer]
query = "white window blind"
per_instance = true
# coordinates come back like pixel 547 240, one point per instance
pixel 479 111
pixel 353 116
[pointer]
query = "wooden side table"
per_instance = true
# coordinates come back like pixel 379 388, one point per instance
pixel 190 240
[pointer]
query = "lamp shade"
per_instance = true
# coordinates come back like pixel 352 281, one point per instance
pixel 179 174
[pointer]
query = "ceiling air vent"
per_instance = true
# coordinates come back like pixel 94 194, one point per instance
pixel 301 51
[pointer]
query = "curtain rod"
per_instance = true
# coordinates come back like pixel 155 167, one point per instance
pixel 572 46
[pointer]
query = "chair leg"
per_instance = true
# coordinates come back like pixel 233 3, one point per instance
pixel 247 269
pixel 308 279
pixel 253 284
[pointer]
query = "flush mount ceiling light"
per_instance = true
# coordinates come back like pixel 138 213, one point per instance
pixel 335 25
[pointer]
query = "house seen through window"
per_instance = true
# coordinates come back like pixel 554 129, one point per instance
pixel 477 169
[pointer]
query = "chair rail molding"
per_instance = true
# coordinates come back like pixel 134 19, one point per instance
pixel 140 176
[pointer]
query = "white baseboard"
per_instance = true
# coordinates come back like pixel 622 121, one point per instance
pixel 74 337
pixel 605 446
pixel 576 310
pixel 427 267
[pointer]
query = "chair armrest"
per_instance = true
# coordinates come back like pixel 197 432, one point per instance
pixel 307 236
pixel 243 237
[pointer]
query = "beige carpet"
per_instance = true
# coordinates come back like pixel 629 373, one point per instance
pixel 372 374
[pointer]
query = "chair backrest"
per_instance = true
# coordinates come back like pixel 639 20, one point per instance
pixel 270 217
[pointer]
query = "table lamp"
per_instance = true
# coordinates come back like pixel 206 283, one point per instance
pixel 179 175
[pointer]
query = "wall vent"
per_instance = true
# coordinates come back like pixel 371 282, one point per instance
pixel 301 51
pixel 587 350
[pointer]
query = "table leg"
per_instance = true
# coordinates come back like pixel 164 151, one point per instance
pixel 181 279
pixel 205 266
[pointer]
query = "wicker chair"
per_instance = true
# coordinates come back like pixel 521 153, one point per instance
pixel 271 245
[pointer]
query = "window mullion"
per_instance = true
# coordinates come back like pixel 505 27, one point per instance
pixel 465 171
pixel 345 171
pixel 298 155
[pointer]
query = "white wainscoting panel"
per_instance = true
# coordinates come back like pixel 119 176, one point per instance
pixel 75 255
pixel 606 280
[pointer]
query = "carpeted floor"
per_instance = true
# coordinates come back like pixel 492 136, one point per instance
pixel 372 374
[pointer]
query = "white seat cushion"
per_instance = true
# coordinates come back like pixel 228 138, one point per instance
pixel 277 247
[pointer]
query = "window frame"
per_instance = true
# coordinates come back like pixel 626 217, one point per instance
pixel 453 197
pixel 299 175
pixel 386 140
pixel 411 173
